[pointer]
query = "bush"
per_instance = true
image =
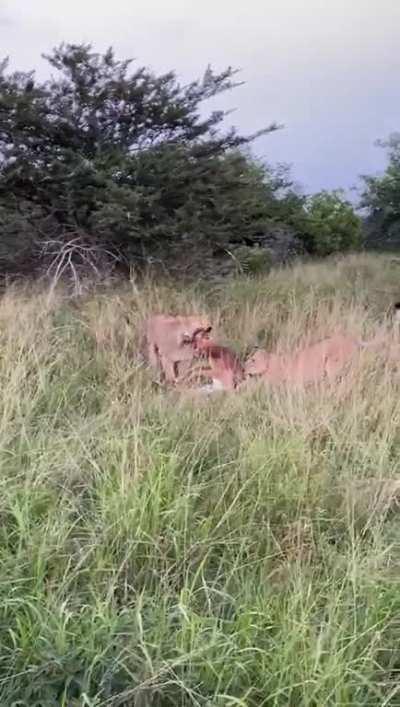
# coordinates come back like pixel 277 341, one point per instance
pixel 252 261
pixel 104 166
pixel 381 198
pixel 103 157
pixel 329 224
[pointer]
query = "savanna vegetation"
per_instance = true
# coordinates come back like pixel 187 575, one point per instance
pixel 161 549
pixel 108 167
pixel 156 548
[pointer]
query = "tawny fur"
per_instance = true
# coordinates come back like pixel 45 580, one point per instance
pixel 166 340
pixel 326 359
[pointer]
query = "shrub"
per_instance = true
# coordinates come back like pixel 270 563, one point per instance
pixel 108 157
pixel 330 224
pixel 381 198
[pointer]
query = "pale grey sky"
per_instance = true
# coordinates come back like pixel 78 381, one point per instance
pixel 327 69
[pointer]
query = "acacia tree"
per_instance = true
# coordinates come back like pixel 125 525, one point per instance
pixel 119 161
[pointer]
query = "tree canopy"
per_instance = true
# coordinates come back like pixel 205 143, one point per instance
pixel 109 163
pixel 381 198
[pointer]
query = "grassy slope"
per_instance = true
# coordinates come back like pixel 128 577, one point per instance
pixel 160 551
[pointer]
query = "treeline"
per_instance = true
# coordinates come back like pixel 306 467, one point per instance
pixel 106 167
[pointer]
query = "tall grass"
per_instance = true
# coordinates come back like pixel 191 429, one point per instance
pixel 162 549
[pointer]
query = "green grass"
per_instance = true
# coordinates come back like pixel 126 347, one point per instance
pixel 162 550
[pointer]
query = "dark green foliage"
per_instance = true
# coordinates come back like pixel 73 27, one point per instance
pixel 122 160
pixel 381 197
pixel 252 261
pixel 105 164
pixel 330 224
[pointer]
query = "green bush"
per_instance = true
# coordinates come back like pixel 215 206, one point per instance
pixel 103 157
pixel 381 198
pixel 329 224
pixel 252 260
pixel 107 164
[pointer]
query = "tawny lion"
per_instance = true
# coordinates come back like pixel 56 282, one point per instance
pixel 166 339
pixel 326 359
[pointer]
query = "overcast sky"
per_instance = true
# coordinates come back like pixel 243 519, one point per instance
pixel 327 69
